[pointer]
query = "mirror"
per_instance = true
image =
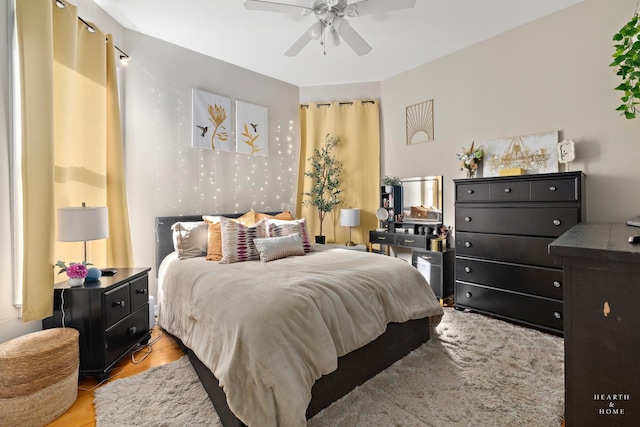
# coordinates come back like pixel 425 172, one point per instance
pixel 422 199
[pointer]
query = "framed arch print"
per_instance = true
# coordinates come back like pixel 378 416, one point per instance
pixel 420 122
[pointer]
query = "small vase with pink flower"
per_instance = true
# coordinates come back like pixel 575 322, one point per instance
pixel 76 272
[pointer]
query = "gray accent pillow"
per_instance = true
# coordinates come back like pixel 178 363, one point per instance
pixel 272 248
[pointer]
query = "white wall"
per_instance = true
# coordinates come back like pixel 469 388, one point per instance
pixel 551 74
pixel 165 175
pixel 341 92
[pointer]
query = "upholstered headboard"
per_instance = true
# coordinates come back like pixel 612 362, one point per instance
pixel 164 235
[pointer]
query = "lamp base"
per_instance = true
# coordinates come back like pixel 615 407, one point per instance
pixel 350 243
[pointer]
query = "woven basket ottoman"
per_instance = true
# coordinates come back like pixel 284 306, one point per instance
pixel 38 376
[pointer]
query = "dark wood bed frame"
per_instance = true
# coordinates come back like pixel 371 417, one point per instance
pixel 353 368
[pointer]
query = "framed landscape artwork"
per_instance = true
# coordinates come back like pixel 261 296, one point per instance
pixel 535 153
pixel 211 121
pixel 252 129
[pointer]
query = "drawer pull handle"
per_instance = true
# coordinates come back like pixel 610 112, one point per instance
pixel 467 218
pixel 141 291
pixel 118 304
pixel 467 294
pixel 467 244
pixel 132 331
pixel 507 190
pixel 552 188
pixel 556 284
pixel 467 269
pixel 557 222
pixel 557 314
pixel 409 241
pixel 470 191
pixel 426 257
pixel 382 238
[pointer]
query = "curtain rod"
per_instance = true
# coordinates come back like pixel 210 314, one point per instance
pixel 328 104
pixel 62 5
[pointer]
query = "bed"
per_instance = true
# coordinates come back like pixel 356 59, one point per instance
pixel 275 343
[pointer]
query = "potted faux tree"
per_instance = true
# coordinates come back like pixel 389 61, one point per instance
pixel 325 190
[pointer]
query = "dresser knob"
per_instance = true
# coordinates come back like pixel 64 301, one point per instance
pixel 409 241
pixel 132 331
pixel 118 304
pixel 467 244
pixel 557 314
pixel 467 269
pixel 557 222
pixel 467 218
pixel 552 188
pixel 556 284
pixel 467 294
pixel 426 257
pixel 141 291
pixel 470 191
pixel 382 238
pixel 507 190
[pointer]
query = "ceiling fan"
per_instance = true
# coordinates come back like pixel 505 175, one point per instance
pixel 332 25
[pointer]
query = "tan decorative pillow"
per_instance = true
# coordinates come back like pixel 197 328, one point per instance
pixel 214 247
pixel 286 215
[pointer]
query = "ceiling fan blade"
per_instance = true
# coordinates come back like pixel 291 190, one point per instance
pixel 268 6
pixel 351 37
pixel 370 7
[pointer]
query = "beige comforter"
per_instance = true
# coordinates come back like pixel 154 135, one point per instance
pixel 267 331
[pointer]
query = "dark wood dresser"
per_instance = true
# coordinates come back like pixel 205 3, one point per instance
pixel 503 228
pixel 601 324
pixel 111 314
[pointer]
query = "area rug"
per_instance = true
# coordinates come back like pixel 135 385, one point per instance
pixel 475 371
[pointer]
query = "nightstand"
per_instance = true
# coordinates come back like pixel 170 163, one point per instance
pixel 111 314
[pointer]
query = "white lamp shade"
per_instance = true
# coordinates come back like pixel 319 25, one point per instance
pixel 350 217
pixel 80 224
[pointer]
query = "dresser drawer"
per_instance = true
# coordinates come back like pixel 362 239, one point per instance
pixel 126 334
pixel 529 309
pixel 411 240
pixel 555 190
pixel 139 291
pixel 517 249
pixel 551 222
pixel 509 191
pixel 537 281
pixel 433 258
pixel 382 238
pixel 472 192
pixel 116 305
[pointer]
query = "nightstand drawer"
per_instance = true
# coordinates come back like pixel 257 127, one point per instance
pixel 537 281
pixel 432 258
pixel 382 238
pixel 116 304
pixel 472 192
pixel 411 240
pixel 139 291
pixel 126 334
pixel 518 249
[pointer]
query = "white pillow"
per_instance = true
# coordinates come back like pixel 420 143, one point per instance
pixel 272 248
pixel 190 239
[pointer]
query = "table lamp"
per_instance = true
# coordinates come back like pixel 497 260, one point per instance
pixel 82 224
pixel 350 218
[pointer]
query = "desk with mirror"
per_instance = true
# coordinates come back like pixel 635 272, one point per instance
pixel 410 216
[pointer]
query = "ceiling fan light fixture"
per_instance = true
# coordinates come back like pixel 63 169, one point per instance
pixel 332 38
pixel 315 31
pixel 351 11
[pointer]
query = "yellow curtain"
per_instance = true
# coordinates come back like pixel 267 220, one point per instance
pixel 84 138
pixel 357 123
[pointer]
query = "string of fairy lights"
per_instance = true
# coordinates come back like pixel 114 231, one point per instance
pixel 191 180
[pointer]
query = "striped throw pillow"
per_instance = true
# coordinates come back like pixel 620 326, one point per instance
pixel 278 228
pixel 272 248
pixel 237 240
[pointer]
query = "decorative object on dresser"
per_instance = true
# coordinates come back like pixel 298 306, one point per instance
pixel 503 228
pixel 350 218
pixel 111 314
pixel 325 192
pixel 470 159
pixel 601 322
pixel 535 153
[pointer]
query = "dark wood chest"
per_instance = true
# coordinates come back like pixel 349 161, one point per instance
pixel 503 228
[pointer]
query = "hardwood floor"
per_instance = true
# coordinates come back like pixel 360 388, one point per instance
pixel 82 413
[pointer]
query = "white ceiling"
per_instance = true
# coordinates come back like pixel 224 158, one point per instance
pixel 256 40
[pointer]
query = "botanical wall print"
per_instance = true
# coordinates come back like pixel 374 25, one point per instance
pixel 252 129
pixel 420 122
pixel 535 153
pixel 211 121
